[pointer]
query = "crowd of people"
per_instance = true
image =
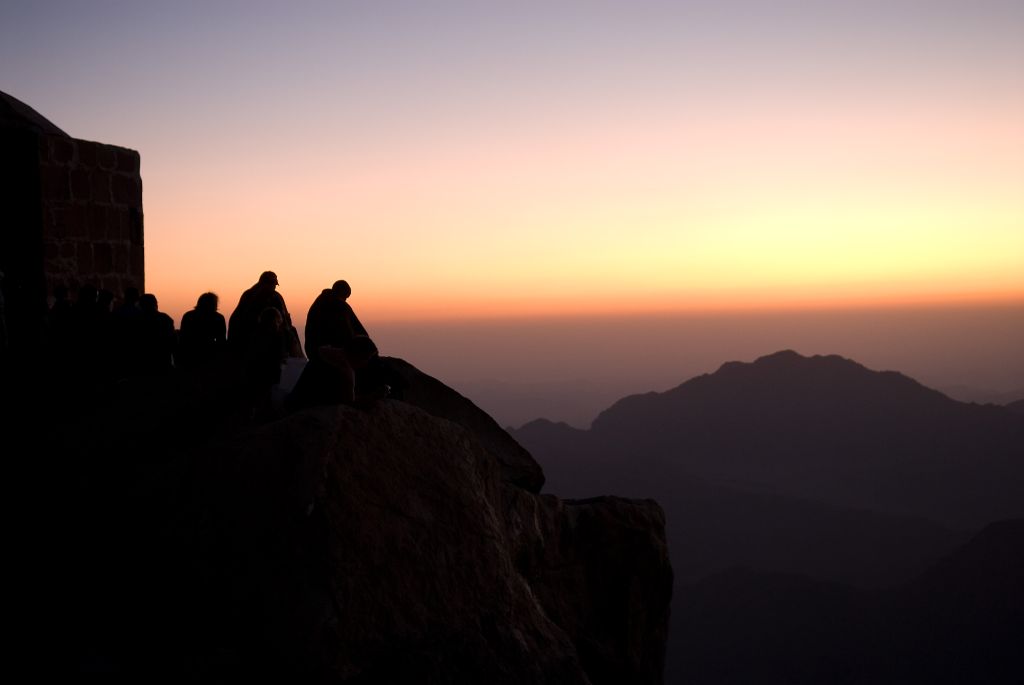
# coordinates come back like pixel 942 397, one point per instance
pixel 96 341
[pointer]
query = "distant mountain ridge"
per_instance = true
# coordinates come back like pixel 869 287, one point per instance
pixel 796 489
pixel 821 427
pixel 959 622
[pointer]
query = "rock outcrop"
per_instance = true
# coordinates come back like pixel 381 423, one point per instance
pixel 378 544
pixel 438 399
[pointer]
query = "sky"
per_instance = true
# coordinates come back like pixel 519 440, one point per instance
pixel 483 160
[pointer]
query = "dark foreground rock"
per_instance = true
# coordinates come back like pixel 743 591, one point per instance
pixel 380 544
pixel 436 398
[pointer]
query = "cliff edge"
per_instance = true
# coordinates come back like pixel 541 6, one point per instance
pixel 398 542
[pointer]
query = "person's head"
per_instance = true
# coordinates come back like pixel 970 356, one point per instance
pixel 341 289
pixel 131 295
pixel 147 302
pixel 268 279
pixel 207 302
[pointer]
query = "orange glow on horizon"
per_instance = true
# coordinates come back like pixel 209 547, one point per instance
pixel 375 308
pixel 809 204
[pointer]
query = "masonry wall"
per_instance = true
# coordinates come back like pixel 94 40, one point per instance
pixel 92 222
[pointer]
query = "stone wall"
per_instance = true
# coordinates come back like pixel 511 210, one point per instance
pixel 70 214
pixel 91 214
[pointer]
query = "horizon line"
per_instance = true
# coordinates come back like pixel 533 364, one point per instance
pixel 959 303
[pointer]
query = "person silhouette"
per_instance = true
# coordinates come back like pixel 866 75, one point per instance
pixel 203 334
pixel 339 349
pixel 125 333
pixel 266 352
pixel 157 338
pixel 244 320
pixel 331 320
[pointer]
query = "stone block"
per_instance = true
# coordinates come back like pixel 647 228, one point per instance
pixel 70 221
pixel 124 223
pixel 98 218
pixel 62 150
pixel 127 161
pixel 121 258
pixel 86 153
pixel 51 249
pixel 136 233
pixel 116 225
pixel 137 266
pixel 78 219
pixel 103 257
pixel 49 267
pixel 101 186
pixel 56 182
pixel 81 184
pixel 84 256
pixel 59 226
pixel 68 250
pixel 106 157
pixel 126 190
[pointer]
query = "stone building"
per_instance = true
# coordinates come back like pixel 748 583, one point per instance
pixel 70 214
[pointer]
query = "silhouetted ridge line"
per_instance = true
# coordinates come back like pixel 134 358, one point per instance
pixel 824 428
pixel 827 481
pixel 800 382
pixel 958 622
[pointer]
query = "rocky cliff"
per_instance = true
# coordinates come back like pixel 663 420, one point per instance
pixel 397 542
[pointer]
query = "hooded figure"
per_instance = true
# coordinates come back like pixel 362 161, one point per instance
pixel 244 319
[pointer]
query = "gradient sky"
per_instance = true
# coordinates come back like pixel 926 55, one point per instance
pixel 473 159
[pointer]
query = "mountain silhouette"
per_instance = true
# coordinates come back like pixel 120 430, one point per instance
pixel 797 487
pixel 959 622
pixel 821 428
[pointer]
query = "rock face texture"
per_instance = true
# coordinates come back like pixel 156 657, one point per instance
pixel 378 544
pixel 436 398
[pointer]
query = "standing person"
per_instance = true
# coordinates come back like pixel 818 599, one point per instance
pixel 243 322
pixel 265 354
pixel 203 334
pixel 85 337
pixel 125 333
pixel 157 338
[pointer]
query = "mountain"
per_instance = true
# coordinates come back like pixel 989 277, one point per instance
pixel 966 393
pixel 742 461
pixel 714 526
pixel 819 428
pixel 166 537
pixel 797 489
pixel 958 622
